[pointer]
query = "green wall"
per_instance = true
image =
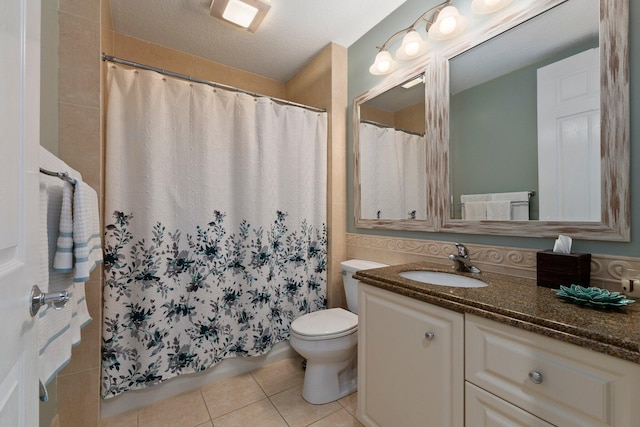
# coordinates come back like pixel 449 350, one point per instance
pixel 361 55
pixel 509 150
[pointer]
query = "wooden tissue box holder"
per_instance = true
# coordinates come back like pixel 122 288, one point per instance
pixel 555 269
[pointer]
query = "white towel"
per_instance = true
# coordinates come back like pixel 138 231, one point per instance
pixel 54 333
pixel 59 330
pixel 518 196
pixel 87 247
pixel 475 198
pixel 63 259
pixel 499 210
pixel 519 201
pixel 474 211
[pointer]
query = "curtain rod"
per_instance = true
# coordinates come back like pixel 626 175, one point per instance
pixel 381 125
pixel 110 58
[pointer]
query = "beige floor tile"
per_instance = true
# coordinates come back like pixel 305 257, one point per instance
pixel 230 394
pixel 350 403
pixel 298 412
pixel 341 418
pixel 261 413
pixel 207 424
pixel 186 410
pixel 128 419
pixel 279 376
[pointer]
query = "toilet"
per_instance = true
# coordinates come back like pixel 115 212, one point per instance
pixel 328 339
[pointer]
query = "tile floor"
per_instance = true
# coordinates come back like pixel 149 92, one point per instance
pixel 268 397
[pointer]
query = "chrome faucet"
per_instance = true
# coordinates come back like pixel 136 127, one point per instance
pixel 461 260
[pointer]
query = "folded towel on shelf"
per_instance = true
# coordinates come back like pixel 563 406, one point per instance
pixel 474 211
pixel 87 247
pixel 499 210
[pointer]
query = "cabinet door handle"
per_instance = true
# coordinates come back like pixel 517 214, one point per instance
pixel 535 377
pixel 429 335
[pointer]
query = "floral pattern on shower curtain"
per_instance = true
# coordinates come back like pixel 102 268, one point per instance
pixel 215 226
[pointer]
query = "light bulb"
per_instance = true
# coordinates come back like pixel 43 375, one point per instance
pixel 411 43
pixel 383 64
pixel 411 48
pixel 448 25
pixel 491 2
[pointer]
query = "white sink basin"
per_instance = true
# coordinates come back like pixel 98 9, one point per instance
pixel 443 279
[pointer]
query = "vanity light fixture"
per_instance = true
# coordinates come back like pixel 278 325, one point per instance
pixel 442 22
pixel 247 14
pixel 412 46
pixel 448 25
pixel 384 64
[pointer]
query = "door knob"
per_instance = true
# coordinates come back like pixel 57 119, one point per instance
pixel 430 335
pixel 38 298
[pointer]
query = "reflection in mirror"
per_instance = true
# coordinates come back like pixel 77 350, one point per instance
pixel 524 136
pixel 392 154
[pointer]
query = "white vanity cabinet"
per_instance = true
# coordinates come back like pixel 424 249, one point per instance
pixel 423 365
pixel 559 383
pixel 410 362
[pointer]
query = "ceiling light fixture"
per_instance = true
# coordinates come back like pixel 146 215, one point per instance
pixel 442 22
pixel 247 14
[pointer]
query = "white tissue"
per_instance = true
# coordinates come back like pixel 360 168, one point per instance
pixel 562 245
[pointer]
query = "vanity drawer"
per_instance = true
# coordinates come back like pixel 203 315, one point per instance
pixel 561 383
pixel 483 409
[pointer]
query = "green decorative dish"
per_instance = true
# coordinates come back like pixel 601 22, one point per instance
pixel 592 297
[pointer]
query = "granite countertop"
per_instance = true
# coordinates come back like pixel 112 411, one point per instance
pixel 520 303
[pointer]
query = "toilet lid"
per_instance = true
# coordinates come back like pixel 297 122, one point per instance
pixel 325 322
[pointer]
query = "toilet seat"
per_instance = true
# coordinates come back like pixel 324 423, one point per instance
pixel 325 324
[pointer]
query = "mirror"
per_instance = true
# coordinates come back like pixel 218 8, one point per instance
pixel 469 167
pixel 530 114
pixel 391 153
pixel 519 161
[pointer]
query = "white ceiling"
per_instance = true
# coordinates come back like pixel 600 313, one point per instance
pixel 292 33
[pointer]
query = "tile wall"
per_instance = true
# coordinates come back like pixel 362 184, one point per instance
pixel 80 147
pixel 606 270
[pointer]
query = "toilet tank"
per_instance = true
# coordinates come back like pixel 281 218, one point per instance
pixel 349 267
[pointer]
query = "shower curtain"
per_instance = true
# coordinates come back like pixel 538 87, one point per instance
pixel 215 226
pixel 393 174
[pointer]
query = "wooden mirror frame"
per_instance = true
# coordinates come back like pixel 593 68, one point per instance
pixel 614 224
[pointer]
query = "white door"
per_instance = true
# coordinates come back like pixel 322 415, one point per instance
pixel 569 138
pixel 19 140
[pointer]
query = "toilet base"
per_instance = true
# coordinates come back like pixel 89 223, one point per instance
pixel 320 388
